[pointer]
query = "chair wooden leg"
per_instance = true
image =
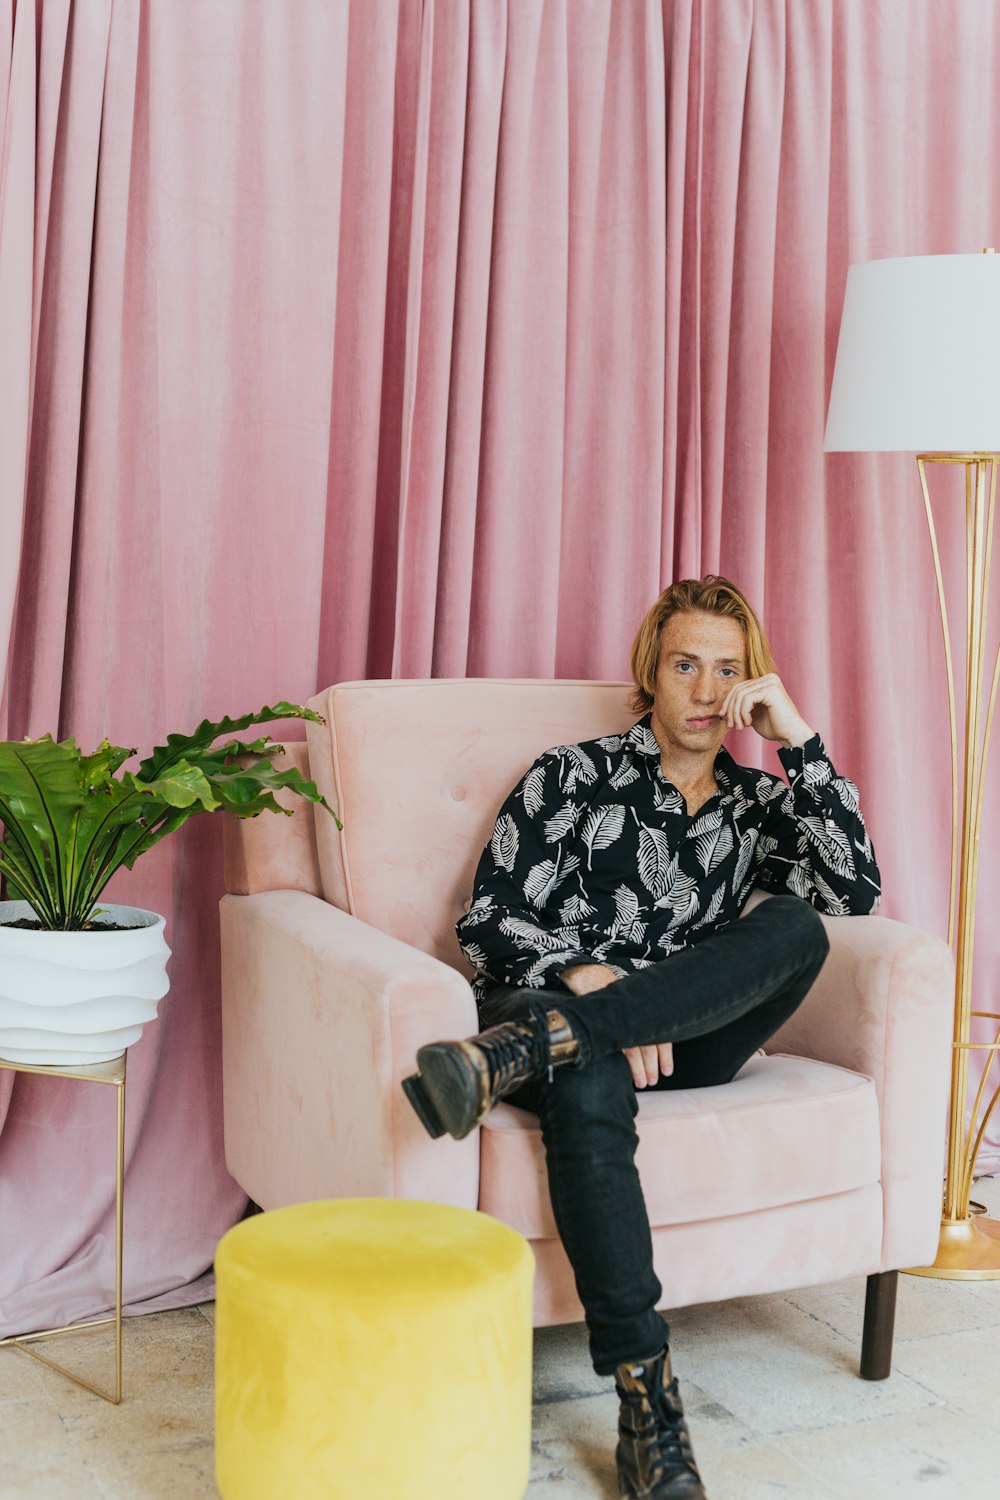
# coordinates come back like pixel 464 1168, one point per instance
pixel 880 1316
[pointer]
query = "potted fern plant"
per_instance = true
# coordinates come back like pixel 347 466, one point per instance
pixel 78 980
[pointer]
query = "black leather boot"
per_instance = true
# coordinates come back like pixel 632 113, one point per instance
pixel 459 1082
pixel 655 1460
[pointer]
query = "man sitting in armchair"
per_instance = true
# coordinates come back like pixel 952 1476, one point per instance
pixel 608 959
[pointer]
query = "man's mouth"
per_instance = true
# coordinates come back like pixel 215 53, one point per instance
pixel 702 722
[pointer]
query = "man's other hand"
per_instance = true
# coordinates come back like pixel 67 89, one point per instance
pixel 762 703
pixel 647 1063
pixel 582 979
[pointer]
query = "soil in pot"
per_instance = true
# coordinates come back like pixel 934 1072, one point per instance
pixel 31 924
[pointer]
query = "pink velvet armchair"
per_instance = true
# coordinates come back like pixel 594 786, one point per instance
pixel 820 1161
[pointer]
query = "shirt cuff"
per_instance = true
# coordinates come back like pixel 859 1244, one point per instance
pixel 809 763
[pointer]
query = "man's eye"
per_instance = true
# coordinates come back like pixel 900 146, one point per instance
pixel 681 665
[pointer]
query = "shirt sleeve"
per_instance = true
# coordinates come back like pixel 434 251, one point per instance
pixel 814 837
pixel 513 931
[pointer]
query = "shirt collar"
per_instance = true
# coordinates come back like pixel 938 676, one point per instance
pixel 641 739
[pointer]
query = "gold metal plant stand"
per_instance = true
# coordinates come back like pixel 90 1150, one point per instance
pixel 969 1246
pixel 112 1072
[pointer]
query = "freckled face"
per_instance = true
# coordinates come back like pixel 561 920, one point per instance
pixel 701 656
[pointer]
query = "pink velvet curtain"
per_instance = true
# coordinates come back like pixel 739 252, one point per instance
pixel 399 338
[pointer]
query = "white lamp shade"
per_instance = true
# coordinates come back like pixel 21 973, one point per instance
pixel 918 360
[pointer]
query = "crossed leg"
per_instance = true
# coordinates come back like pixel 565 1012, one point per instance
pixel 718 1003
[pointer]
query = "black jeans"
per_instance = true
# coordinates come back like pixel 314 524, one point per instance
pixel 717 1002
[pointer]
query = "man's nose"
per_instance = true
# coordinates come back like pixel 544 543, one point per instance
pixel 705 688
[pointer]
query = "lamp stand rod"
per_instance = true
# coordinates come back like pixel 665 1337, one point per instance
pixel 969 1245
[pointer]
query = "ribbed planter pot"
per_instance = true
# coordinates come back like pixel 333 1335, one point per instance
pixel 78 997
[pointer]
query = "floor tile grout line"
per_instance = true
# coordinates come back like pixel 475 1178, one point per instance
pixel 875 1417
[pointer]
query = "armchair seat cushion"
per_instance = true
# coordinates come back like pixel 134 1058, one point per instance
pixel 710 1153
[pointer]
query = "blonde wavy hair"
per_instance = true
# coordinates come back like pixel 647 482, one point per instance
pixel 714 595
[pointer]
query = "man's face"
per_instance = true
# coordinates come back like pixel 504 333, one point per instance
pixel 701 656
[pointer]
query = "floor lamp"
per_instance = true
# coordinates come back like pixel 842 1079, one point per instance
pixel 918 370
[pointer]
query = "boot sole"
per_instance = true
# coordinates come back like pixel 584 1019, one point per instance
pixel 413 1088
pixel 628 1490
pixel 452 1088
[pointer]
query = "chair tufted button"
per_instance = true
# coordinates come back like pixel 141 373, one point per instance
pixel 458 794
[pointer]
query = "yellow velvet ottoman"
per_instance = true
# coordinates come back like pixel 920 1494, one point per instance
pixel 373 1349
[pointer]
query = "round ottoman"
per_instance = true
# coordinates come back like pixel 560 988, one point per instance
pixel 373 1347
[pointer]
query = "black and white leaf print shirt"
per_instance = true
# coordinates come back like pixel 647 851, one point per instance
pixel 594 858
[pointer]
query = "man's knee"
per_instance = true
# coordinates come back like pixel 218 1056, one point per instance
pixel 600 1094
pixel 801 924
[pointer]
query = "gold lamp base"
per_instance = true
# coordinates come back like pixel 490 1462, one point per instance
pixel 969 1245
pixel 968 1250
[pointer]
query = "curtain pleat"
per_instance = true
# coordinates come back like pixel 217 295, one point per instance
pixel 17 181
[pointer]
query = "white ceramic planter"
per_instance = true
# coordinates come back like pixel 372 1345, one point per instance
pixel 78 997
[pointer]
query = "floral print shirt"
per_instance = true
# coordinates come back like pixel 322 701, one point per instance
pixel 594 858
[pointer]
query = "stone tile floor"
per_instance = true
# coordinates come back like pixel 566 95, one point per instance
pixel 770 1384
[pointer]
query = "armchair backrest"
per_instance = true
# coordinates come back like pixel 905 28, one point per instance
pixel 417 771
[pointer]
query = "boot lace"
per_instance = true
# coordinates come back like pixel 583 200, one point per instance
pixel 661 1425
pixel 506 1051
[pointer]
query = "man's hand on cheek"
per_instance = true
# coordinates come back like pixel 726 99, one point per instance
pixel 763 704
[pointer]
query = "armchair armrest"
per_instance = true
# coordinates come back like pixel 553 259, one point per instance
pixel 321 1018
pixel 883 1006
